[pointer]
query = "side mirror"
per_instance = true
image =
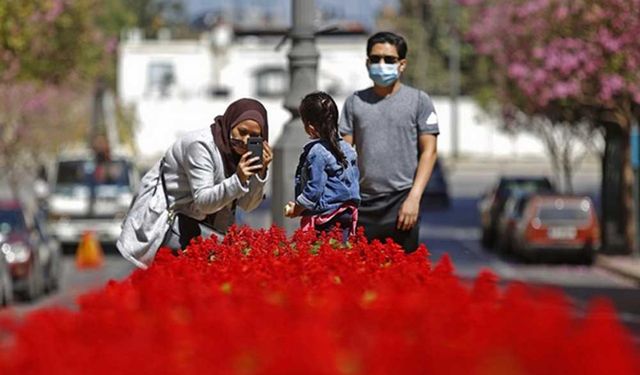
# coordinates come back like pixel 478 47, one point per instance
pixel 41 189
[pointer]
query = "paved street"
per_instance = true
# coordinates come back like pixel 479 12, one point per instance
pixel 454 231
pixel 78 281
pixel 457 232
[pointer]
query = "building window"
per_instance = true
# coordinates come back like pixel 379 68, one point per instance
pixel 271 82
pixel 160 78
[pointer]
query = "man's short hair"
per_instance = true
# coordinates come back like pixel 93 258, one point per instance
pixel 391 38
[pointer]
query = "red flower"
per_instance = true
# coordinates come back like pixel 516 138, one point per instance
pixel 261 303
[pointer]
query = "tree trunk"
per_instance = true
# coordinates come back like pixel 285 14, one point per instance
pixel 552 148
pixel 627 194
pixel 567 174
pixel 14 185
pixel 618 217
pixel 557 172
pixel 567 161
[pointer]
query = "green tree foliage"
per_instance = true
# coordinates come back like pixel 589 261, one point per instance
pixel 51 53
pixel 49 41
pixel 153 15
pixel 430 27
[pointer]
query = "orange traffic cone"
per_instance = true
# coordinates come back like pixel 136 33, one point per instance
pixel 89 253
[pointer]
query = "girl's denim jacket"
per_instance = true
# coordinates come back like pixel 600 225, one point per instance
pixel 322 183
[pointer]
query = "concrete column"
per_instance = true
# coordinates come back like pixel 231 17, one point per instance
pixel 303 74
pixel 454 75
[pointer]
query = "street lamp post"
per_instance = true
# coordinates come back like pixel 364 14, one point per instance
pixel 454 75
pixel 303 66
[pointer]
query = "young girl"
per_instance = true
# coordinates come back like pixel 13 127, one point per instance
pixel 326 181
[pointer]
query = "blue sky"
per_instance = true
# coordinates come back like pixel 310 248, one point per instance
pixel 361 10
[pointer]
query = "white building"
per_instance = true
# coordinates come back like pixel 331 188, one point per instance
pixel 178 85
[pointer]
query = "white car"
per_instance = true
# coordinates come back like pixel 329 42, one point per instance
pixel 90 196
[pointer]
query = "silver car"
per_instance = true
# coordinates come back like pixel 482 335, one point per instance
pixel 33 260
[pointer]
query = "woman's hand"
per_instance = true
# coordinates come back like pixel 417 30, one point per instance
pixel 247 167
pixel 267 157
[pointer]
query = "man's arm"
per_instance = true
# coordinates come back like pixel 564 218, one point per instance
pixel 408 215
pixel 345 122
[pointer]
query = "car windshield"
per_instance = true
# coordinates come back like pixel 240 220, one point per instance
pixel 108 175
pixel 563 214
pixel 525 186
pixel 520 205
pixel 11 219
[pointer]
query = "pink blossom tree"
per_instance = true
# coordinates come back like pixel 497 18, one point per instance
pixel 50 53
pixel 571 62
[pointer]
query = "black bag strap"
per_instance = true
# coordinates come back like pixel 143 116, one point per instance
pixel 172 213
pixel 164 183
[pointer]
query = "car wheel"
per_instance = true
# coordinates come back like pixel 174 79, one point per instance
pixel 588 256
pixel 7 291
pixel 529 258
pixel 35 284
pixel 53 279
pixel 30 293
pixel 486 239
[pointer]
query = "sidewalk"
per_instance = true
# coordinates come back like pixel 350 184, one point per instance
pixel 507 165
pixel 624 265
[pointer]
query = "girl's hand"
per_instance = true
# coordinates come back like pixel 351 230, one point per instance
pixel 292 209
pixel 288 209
pixel 246 167
pixel 267 157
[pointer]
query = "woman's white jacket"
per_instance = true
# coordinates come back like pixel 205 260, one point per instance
pixel 195 186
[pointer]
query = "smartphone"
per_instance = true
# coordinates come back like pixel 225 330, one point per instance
pixel 254 144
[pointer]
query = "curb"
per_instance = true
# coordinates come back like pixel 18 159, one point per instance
pixel 624 266
pixel 517 166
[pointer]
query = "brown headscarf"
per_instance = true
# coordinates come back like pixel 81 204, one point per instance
pixel 238 111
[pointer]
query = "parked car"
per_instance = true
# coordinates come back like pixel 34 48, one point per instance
pixel 558 226
pixel 6 285
pixel 436 193
pixel 87 195
pixel 51 253
pixel 508 221
pixel 492 203
pixel 33 261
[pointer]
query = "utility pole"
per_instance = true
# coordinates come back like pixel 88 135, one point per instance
pixel 303 77
pixel 454 75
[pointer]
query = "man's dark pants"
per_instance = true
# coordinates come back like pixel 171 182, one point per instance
pixel 378 216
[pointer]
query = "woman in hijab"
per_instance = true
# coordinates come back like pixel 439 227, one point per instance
pixel 195 189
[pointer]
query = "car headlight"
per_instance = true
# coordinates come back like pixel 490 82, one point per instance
pixel 15 252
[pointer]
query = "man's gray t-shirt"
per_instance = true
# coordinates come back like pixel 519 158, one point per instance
pixel 385 132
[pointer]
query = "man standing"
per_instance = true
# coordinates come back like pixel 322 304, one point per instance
pixel 394 128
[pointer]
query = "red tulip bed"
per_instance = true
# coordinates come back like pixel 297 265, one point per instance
pixel 262 303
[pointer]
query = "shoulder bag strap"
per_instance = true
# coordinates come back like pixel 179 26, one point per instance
pixel 166 198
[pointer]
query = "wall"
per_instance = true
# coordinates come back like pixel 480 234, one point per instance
pixel 189 104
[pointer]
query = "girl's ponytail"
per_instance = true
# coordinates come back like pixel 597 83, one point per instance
pixel 319 109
